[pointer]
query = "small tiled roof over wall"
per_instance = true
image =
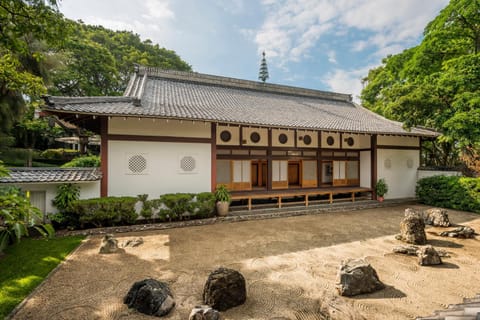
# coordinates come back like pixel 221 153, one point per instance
pixel 158 93
pixel 51 175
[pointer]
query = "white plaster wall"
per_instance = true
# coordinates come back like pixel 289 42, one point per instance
pixel 399 168
pixel 365 169
pixel 263 132
pixel 336 137
pixel 430 173
pixel 87 190
pixel 312 134
pixel 290 135
pixel 163 174
pixel 234 131
pixel 159 127
pixel 398 141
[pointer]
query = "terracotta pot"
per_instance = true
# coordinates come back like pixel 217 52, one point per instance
pixel 380 199
pixel 222 208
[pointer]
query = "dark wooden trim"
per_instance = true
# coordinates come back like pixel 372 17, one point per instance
pixel 341 140
pixel 420 153
pixel 213 156
pixel 240 133
pixel 373 160
pixel 122 137
pixel 319 168
pixel 104 156
pixel 269 161
pixel 398 147
pixel 295 137
pixel 319 139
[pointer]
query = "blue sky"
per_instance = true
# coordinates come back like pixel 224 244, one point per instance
pixel 319 44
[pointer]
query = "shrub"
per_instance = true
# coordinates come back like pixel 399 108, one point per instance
pixel 204 206
pixel 459 193
pixel 177 205
pixel 17 215
pixel 108 211
pixel 67 193
pixel 59 154
pixel 83 161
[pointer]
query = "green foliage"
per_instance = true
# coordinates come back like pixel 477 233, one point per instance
pixel 67 193
pixel 437 83
pixel 381 187
pixel 59 154
pixel 222 194
pixel 17 215
pixel 146 211
pixel 459 193
pixel 3 171
pixel 26 264
pixel 103 212
pixel 204 206
pixel 83 161
pixel 177 205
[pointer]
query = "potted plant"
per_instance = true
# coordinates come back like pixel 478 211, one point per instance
pixel 381 188
pixel 222 196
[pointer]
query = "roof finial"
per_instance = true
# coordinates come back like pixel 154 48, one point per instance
pixel 263 73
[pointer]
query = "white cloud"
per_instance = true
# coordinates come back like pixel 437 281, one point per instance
pixel 332 56
pixel 158 9
pixel 347 81
pixel 293 27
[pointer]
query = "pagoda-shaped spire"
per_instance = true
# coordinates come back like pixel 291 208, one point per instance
pixel 263 72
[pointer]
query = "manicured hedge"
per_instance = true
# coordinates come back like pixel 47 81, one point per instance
pixel 459 193
pixel 108 211
pixel 180 206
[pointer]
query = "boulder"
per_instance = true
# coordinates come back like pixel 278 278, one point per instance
pixel 109 244
pixel 224 289
pixel 150 297
pixel 204 313
pixel 428 256
pixel 408 250
pixel 412 228
pixel 436 217
pixel 356 276
pixel 460 232
pixel 133 242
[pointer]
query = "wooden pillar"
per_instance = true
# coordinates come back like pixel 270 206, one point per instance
pixel 213 160
pixel 269 160
pixel 373 160
pixel 104 156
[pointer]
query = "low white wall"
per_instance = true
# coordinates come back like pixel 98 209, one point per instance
pixel 399 169
pixel 163 173
pixel 430 173
pixel 88 190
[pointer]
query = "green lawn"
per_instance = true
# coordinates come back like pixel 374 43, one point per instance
pixel 26 264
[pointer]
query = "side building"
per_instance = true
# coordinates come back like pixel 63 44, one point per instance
pixel 189 132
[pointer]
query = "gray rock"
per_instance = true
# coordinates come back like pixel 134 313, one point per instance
pixel 109 244
pixel 460 232
pixel 356 276
pixel 412 228
pixel 408 250
pixel 133 242
pixel 224 289
pixel 204 313
pixel 436 217
pixel 150 297
pixel 428 256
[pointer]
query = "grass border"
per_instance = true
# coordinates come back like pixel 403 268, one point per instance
pixel 50 274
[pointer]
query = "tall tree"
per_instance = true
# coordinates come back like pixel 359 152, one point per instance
pixel 437 83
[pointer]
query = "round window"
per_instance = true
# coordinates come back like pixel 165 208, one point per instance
pixel 255 137
pixel 282 138
pixel 330 140
pixel 350 141
pixel 225 136
pixel 307 139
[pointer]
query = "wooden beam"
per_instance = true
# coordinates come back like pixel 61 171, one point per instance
pixel 213 151
pixel 104 156
pixel 373 160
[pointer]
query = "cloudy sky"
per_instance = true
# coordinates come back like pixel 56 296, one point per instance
pixel 318 44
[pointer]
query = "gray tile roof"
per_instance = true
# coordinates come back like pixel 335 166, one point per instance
pixel 183 95
pixel 39 175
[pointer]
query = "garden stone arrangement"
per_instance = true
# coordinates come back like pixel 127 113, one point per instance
pixel 412 228
pixel 224 289
pixel 150 297
pixel 436 217
pixel 459 232
pixel 204 313
pixel 356 276
pixel 109 244
pixel 428 256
